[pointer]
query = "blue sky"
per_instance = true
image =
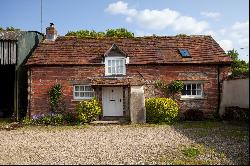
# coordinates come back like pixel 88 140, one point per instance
pixel 226 20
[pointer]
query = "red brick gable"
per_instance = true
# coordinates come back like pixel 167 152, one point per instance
pixel 140 50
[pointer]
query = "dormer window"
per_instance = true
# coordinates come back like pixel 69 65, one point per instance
pixel 115 65
pixel 115 61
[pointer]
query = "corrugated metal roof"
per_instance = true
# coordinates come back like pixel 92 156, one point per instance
pixel 10 35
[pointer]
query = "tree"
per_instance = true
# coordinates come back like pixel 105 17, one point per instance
pixel 181 35
pixel 115 33
pixel 10 28
pixel 239 67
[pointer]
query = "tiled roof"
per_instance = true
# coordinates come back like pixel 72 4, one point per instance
pixel 141 50
pixel 9 35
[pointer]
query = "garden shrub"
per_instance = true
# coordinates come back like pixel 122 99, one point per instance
pixel 88 110
pixel 53 119
pixel 70 118
pixel 56 102
pixel 160 110
pixel 236 113
pixel 194 115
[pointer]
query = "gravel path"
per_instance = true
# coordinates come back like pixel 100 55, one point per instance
pixel 112 144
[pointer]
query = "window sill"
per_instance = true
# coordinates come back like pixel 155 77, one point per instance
pixel 115 75
pixel 81 99
pixel 192 98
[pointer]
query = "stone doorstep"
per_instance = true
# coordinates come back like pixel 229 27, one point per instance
pixel 109 122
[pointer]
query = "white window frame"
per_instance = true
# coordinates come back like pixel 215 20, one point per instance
pixel 193 96
pixel 109 66
pixel 80 91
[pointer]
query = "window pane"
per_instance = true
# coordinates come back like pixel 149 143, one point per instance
pixel 198 86
pixel 82 94
pixel 188 92
pixel 121 69
pixel 113 70
pixel 109 69
pixel 198 92
pixel 193 86
pixel 117 62
pixel 76 94
pixel 88 88
pixel 117 69
pixel 91 94
pixel 113 63
pixel 88 94
pixel 121 62
pixel 183 92
pixel 76 88
pixel 81 88
pixel 109 62
pixel 188 86
pixel 193 92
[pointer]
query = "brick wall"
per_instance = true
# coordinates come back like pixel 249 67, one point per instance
pixel 42 78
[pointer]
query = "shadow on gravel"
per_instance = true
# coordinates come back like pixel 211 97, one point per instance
pixel 229 139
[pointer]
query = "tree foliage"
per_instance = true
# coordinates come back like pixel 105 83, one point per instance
pixel 239 67
pixel 10 28
pixel 115 33
pixel 181 35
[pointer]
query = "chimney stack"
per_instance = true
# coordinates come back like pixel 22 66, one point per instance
pixel 51 32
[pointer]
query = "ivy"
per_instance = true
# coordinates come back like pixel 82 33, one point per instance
pixel 55 96
pixel 169 89
pixel 175 86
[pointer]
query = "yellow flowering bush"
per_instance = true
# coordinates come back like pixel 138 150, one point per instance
pixel 160 110
pixel 88 110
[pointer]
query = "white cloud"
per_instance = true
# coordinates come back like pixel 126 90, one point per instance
pixel 189 25
pixel 159 19
pixel 237 37
pixel 214 15
pixel 156 19
pixel 120 8
pixel 142 33
pixel 240 32
pixel 209 32
pixel 226 44
pixel 222 31
pixel 241 25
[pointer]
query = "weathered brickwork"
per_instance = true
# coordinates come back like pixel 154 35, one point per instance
pixel 42 78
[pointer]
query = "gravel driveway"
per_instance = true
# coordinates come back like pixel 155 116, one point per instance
pixel 114 144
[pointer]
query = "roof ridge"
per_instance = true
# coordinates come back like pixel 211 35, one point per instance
pixel 137 37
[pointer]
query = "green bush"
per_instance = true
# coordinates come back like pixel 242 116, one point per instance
pixel 27 121
pixel 70 118
pixel 88 110
pixel 160 110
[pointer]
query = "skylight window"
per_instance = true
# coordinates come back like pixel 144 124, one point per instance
pixel 184 53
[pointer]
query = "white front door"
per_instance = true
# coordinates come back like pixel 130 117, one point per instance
pixel 112 101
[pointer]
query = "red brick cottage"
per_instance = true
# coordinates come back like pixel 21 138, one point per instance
pixel 107 69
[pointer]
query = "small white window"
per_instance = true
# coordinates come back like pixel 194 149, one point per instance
pixel 115 66
pixel 192 90
pixel 83 92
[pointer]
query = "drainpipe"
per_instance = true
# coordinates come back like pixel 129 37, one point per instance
pixel 218 82
pixel 29 92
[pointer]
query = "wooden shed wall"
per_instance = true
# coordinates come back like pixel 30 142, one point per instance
pixel 8 53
